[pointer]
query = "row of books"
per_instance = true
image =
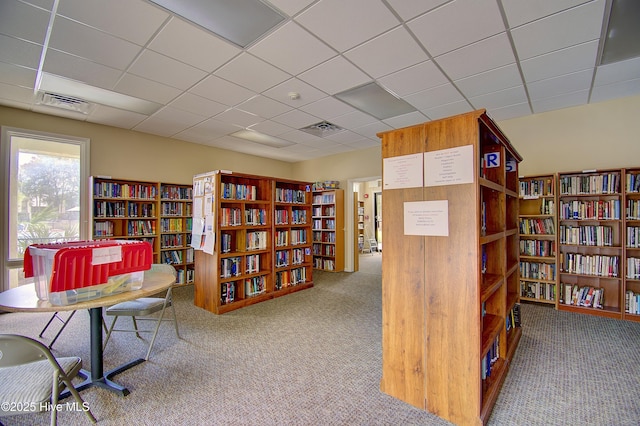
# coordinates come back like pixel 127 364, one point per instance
pixel 587 296
pixel 633 182
pixel 587 235
pixel 103 229
pixel 185 276
pixel 290 278
pixel 226 240
pixel 141 227
pixel 604 183
pixel 633 268
pixel 537 226
pixel 171 208
pixel 324 237
pixel 252 264
pixel 172 257
pixel 170 192
pixel 536 188
pixel 284 195
pixel 538 290
pixel 513 318
pixel 590 210
pixel 121 209
pixel 257 240
pixel 173 240
pixel 633 236
pixel 326 264
pixel 538 270
pixel 254 286
pixel 597 265
pixel 281 217
pixel 298 217
pixel 230 216
pixel 238 191
pixel 255 217
pixel 490 359
pixel 171 225
pixel 125 190
pixel 632 302
pixel 227 292
pixel 633 209
pixel 324 199
pixel 544 248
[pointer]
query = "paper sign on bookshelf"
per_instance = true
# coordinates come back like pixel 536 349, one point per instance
pixel 452 166
pixel 403 171
pixel 426 218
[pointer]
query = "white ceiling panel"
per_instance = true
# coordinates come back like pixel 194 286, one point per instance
pixel 457 24
pixel 444 57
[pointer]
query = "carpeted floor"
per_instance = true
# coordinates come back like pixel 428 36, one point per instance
pixel 314 358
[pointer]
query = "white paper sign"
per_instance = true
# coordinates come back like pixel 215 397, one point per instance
pixel 403 171
pixel 426 218
pixel 453 166
pixel 102 255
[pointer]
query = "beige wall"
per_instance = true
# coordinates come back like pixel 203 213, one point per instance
pixel 132 155
pixel 595 136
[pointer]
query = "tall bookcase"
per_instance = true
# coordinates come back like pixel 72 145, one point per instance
pixel 254 239
pixel 591 242
pixel 361 234
pixel 450 280
pixel 328 230
pixel 538 246
pixel 632 245
pixel 175 230
pixel 156 212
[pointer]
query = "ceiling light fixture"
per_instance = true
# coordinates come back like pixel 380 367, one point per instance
pixel 623 32
pixel 261 138
pixel 59 87
pixel 376 101
pixel 239 21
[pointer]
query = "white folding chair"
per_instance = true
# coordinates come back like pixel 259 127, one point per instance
pixel 142 310
pixel 32 378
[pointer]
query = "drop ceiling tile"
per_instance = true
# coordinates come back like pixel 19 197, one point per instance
pixel 263 106
pixel 618 72
pixel 560 62
pixel 292 49
pixel 270 127
pixel 296 119
pixel 425 75
pixel 475 58
pixel 23 21
pixel 345 24
pixel 457 24
pixel 406 120
pixel 408 9
pixel 520 12
pixel 18 52
pixel 304 138
pixel 291 7
pixel 353 120
pixel 307 93
pixel 22 95
pixel 17 76
pixel 371 130
pixel 387 53
pixel 146 89
pixel 447 110
pixel 364 143
pixel 115 117
pixel 430 98
pixel 238 118
pixel 198 105
pixel 177 34
pixel 58 112
pixel 223 91
pixel 568 83
pixel 490 81
pixel 509 112
pixel 552 33
pixel 345 136
pixel 212 127
pixel 328 107
pixel 165 70
pixel 45 4
pixel 132 20
pixel 615 90
pixel 499 99
pixel 76 68
pixel 559 102
pixel 323 76
pixel 168 121
pixel 252 73
pixel 86 42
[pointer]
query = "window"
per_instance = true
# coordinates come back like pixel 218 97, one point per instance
pixel 44 190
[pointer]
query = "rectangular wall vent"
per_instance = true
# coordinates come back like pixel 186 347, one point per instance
pixel 69 103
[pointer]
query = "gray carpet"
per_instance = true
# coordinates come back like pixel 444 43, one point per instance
pixel 314 358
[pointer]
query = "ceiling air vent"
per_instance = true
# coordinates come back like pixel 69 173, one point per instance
pixel 322 129
pixel 69 103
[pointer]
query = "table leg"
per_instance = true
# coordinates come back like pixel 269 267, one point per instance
pixel 97 377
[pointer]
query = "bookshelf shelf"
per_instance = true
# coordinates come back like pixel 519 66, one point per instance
pixel 448 299
pixel 260 239
pixel 328 230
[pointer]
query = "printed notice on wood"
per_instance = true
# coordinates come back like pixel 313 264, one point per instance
pixel 426 218
pixel 453 166
pixel 403 171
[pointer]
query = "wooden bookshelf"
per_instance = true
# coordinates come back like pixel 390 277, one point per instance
pixel 175 230
pixel 258 246
pixel 631 256
pixel 360 226
pixel 448 292
pixel 156 212
pixel 538 239
pixel 328 230
pixel 591 242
